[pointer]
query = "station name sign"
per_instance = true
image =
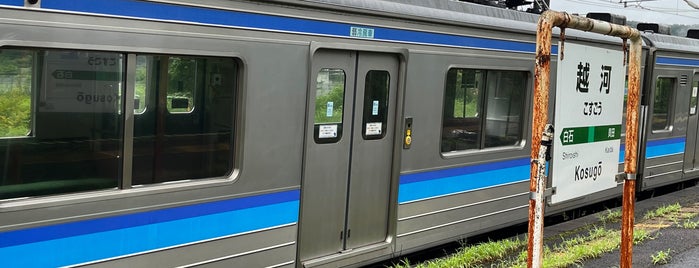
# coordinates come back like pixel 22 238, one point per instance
pixel 587 120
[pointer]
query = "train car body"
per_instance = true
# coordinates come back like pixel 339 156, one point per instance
pixel 314 133
pixel 670 132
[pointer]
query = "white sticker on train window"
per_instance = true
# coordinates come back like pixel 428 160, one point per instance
pixel 327 131
pixel 694 91
pixel 375 108
pixel 373 128
pixel 329 109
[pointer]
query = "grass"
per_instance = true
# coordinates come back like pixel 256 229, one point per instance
pixel 472 256
pixel 689 224
pixel 610 216
pixel 661 257
pixel 667 210
pixel 569 248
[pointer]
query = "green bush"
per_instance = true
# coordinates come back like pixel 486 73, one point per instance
pixel 15 113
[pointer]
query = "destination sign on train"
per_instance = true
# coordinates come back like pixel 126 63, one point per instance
pixel 589 108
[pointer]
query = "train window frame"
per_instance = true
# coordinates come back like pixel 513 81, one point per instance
pixel 326 132
pixel 694 95
pixel 165 123
pixel 88 86
pixel 127 91
pixel 375 106
pixel 519 142
pixel 668 126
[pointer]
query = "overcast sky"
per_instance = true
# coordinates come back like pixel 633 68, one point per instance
pixel 657 11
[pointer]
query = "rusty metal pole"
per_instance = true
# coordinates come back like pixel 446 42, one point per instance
pixel 547 21
pixel 542 83
pixel 630 155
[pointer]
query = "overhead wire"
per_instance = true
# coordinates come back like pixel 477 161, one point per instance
pixel 616 5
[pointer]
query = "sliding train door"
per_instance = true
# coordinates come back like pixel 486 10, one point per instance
pixel 691 147
pixel 345 195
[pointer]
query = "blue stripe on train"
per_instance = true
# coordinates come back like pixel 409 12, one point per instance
pixel 84 241
pixel 170 12
pixel 659 148
pixel 443 182
pixel 677 61
pixel 455 180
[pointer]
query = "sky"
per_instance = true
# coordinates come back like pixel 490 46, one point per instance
pixel 649 11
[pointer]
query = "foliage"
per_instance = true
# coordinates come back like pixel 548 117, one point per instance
pixel 689 224
pixel 15 98
pixel 336 96
pixel 182 75
pixel 14 60
pixel 663 211
pixel 15 113
pixel 661 257
pixel 610 216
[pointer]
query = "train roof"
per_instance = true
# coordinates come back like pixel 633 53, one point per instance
pixel 439 11
pixel 451 12
pixel 672 43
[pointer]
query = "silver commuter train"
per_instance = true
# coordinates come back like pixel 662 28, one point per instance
pixel 214 133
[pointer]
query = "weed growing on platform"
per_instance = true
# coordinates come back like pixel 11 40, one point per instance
pixel 662 211
pixel 610 216
pixel 661 257
pixel 570 248
pixel 689 224
pixel 640 235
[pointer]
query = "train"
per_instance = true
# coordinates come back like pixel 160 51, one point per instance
pixel 213 133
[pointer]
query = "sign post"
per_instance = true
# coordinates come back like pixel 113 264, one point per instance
pixel 547 21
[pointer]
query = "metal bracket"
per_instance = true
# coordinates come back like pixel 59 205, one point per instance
pixel 548 192
pixel 621 177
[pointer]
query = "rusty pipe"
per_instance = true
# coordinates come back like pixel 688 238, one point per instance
pixel 630 154
pixel 547 21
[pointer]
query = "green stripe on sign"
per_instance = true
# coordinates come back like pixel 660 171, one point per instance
pixel 580 135
pixel 86 75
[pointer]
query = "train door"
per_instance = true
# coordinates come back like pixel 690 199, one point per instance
pixel 692 149
pixel 348 152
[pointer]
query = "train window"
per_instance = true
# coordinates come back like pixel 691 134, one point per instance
pixel 75 143
pixel 15 92
pixel 173 140
pixel 461 126
pixel 329 105
pixel 375 112
pixel 482 109
pixel 504 107
pixel 664 88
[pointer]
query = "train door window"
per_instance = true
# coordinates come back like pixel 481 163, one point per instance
pixel 15 92
pixel 375 111
pixel 329 105
pixel 188 133
pixel 76 126
pixel 662 103
pixel 482 109
pixel 693 98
